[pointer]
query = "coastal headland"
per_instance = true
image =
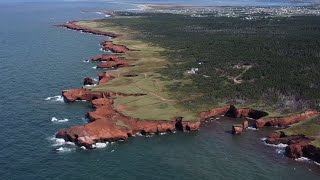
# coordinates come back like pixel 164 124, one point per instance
pixel 140 93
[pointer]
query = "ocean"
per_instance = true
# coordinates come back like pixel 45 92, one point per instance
pixel 38 60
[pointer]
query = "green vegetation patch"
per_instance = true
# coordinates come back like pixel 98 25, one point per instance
pixel 271 62
pixel 122 124
pixel 198 63
pixel 309 128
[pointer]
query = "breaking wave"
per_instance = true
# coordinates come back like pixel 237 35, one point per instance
pixel 280 145
pixel 252 128
pixel 55 98
pixel 54 119
pixel 65 149
pixel 60 142
pixel 100 145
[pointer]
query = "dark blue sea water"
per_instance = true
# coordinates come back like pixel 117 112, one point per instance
pixel 38 60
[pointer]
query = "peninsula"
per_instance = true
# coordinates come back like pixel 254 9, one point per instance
pixel 169 72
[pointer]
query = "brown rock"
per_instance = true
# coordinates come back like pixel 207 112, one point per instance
pixel 104 78
pixel 214 112
pixel 285 121
pixel 237 129
pixel 312 152
pixel 88 81
pixel 245 124
pixel 73 26
pixel 294 151
pixel 103 126
pixel 113 64
pixel 109 46
pixel 233 112
pixel 81 94
pixel 105 57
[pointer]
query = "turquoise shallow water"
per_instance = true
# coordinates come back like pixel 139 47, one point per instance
pixel 38 60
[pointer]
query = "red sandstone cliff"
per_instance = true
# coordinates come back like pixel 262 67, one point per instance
pixel 233 112
pixel 104 126
pixel 105 57
pixel 113 64
pixel 104 78
pixel 285 121
pixel 73 26
pixel 298 145
pixel 82 94
pixel 109 46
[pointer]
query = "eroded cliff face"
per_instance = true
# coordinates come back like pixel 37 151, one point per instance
pixel 72 25
pixel 104 78
pixel 233 112
pixel 88 81
pixel 298 145
pixel 105 57
pixel 82 94
pixel 113 64
pixel 107 124
pixel 116 48
pixel 285 121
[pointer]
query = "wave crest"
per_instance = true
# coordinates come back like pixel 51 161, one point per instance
pixel 58 98
pixel 54 119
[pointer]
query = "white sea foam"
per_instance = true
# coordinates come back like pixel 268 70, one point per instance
pixel 280 151
pixel 58 142
pixel 307 160
pixel 104 50
pixel 139 134
pixel 303 159
pixel 95 79
pixel 55 98
pixel 54 119
pixel 263 139
pixel 107 15
pixel 252 128
pixel 100 145
pixel 163 133
pixel 149 135
pixel 82 147
pixel 86 61
pixel 90 85
pixel 64 149
pixel 94 67
pixel 280 145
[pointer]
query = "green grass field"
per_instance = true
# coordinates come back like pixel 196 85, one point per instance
pixel 310 128
pixel 157 104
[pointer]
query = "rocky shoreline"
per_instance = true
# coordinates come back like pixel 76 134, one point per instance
pixel 108 124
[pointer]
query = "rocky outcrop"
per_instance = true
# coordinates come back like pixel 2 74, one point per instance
pixel 239 128
pixel 88 81
pixel 285 121
pixel 82 94
pixel 104 78
pixel 72 25
pixel 214 112
pixel 244 112
pixel 104 126
pixel 311 152
pixel 109 46
pixel 298 145
pixel 233 112
pixel 113 64
pixel 105 57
